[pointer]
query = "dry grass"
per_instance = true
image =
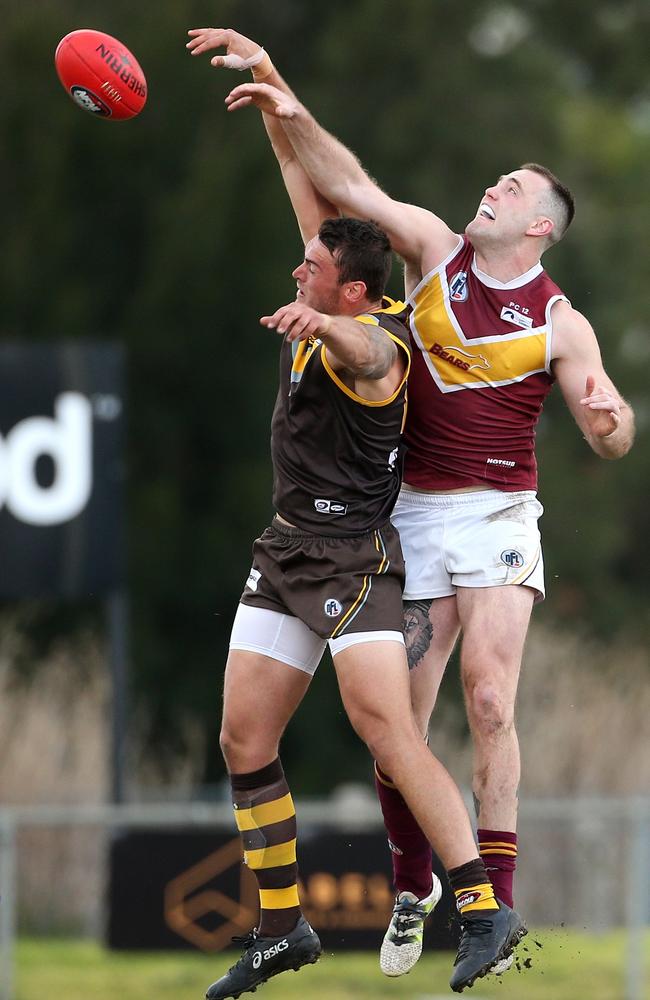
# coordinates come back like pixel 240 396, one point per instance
pixel 583 719
pixel 54 730
pixel 53 749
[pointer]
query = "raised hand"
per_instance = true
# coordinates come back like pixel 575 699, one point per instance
pixel 602 408
pixel 298 321
pixel 240 50
pixel 268 99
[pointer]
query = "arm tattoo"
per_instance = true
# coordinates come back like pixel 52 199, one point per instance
pixel 384 353
pixel 418 630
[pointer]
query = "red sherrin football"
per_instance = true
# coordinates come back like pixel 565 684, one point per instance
pixel 100 74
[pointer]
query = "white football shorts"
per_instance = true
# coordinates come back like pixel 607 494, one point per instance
pixel 484 539
pixel 285 638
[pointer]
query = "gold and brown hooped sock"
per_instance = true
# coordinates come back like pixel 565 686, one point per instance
pixel 266 820
pixel 472 888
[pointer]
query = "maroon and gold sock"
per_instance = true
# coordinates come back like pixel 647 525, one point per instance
pixel 410 849
pixel 498 848
pixel 472 888
pixel 266 820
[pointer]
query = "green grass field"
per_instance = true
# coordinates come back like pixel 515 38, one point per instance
pixel 567 966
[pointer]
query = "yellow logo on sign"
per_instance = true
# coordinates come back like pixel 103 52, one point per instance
pixel 188 900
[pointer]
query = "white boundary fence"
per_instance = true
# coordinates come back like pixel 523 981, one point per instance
pixel 586 817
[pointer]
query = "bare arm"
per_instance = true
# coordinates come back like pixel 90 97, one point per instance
pixel 601 413
pixel 310 207
pixel 363 350
pixel 416 234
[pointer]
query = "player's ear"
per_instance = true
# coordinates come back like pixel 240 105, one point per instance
pixel 543 226
pixel 355 291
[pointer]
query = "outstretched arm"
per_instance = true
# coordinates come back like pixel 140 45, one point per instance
pixel 417 235
pixel 361 350
pixel 243 53
pixel 603 416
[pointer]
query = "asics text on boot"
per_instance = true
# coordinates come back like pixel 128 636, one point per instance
pixel 266 957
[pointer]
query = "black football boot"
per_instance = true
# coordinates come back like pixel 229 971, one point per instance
pixel 486 938
pixel 266 957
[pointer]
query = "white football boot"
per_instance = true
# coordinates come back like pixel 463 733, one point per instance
pixel 402 944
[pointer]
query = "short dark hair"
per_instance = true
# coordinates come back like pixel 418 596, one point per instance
pixel 362 252
pixel 561 199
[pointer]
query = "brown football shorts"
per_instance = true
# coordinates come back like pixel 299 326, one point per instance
pixel 336 586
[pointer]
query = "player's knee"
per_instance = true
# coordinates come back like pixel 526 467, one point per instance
pixel 374 730
pixel 489 710
pixel 237 746
pixel 228 743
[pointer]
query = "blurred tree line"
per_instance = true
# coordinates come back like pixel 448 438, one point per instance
pixel 172 233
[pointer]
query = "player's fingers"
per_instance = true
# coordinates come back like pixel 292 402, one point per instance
pixel 208 38
pixel 236 95
pixel 292 317
pixel 600 397
pixel 200 45
pixel 241 103
pixel 298 330
pixel 275 317
pixel 603 404
pixel 244 90
pixel 198 36
pixel 589 385
pixel 194 43
pixel 269 322
pixel 218 35
pixel 613 422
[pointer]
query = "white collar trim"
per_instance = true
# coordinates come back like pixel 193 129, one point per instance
pixel 517 282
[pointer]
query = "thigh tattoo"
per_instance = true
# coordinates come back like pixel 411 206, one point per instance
pixel 418 630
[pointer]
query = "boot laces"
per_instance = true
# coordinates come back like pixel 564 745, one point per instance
pixel 246 940
pixel 471 928
pixel 405 916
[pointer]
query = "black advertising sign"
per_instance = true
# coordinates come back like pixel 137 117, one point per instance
pixel 61 469
pixel 183 889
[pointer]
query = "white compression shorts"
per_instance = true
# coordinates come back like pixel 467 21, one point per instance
pixel 488 538
pixel 285 638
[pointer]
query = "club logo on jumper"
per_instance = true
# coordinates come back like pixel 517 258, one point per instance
pixel 330 507
pixel 253 579
pixel 512 558
pixel 459 358
pixel 332 607
pixel 264 956
pixel 467 898
pixel 512 316
pixel 458 290
pixel 90 102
